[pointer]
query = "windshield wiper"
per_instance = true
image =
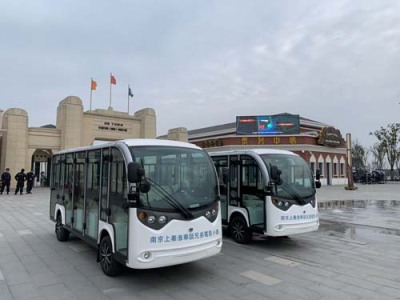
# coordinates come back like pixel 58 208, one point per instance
pixel 172 201
pixel 292 192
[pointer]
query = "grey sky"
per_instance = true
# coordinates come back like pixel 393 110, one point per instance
pixel 202 63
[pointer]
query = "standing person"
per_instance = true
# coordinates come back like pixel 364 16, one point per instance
pixel 5 180
pixel 42 179
pixel 20 178
pixel 29 182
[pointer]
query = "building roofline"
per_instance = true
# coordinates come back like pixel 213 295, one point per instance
pixel 230 128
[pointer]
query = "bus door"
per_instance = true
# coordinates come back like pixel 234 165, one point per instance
pixel 92 193
pixel 233 186
pixel 56 184
pixel 252 191
pixel 118 200
pixel 221 166
pixel 78 190
pixel 68 189
pixel 104 185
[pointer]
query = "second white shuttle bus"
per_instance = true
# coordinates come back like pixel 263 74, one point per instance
pixel 268 191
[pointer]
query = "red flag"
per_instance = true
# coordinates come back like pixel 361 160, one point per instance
pixel 93 85
pixel 113 80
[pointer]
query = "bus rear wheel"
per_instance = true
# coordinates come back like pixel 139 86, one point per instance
pixel 62 234
pixel 108 264
pixel 239 230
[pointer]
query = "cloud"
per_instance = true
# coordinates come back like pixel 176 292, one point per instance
pixel 202 63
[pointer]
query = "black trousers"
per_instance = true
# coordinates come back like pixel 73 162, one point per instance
pixel 20 188
pixel 5 185
pixel 29 185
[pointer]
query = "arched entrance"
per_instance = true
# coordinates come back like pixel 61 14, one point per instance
pixel 40 165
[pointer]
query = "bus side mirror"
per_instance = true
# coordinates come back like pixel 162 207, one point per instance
pixel 144 186
pixel 135 172
pixel 276 174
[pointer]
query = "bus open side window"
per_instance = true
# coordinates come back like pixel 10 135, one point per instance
pixel 234 164
pixel 225 175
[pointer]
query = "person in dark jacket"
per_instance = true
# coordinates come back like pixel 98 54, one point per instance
pixel 20 178
pixel 29 182
pixel 5 180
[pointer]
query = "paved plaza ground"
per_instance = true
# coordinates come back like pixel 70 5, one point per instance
pixel 354 255
pixel 386 191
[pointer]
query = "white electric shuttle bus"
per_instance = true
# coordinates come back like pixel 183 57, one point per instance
pixel 143 203
pixel 267 191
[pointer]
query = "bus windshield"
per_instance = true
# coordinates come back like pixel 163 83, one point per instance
pixel 181 178
pixel 296 178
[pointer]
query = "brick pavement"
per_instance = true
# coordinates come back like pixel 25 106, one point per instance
pixel 340 261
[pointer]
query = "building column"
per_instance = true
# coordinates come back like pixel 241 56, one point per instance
pixel 15 140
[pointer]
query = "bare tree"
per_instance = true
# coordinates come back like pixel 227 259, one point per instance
pixel 359 155
pixel 389 139
pixel 378 155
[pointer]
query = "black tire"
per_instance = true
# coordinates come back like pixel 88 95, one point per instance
pixel 239 230
pixel 108 264
pixel 62 234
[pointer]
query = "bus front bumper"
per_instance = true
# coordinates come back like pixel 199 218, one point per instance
pixel 156 258
pixel 285 229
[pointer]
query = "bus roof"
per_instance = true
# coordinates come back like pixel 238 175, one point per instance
pixel 157 142
pixel 258 151
pixel 136 143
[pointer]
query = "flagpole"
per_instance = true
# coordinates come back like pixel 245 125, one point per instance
pixel 128 97
pixel 91 91
pixel 110 89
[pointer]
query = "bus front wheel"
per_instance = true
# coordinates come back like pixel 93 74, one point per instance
pixel 62 234
pixel 108 263
pixel 239 230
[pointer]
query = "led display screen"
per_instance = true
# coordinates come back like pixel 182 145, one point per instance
pixel 264 125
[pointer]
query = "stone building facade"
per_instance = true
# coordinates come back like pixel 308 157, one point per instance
pixel 26 147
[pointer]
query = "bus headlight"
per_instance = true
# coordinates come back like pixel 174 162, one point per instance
pixel 162 219
pixel 151 219
pixel 282 204
pixel 212 212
